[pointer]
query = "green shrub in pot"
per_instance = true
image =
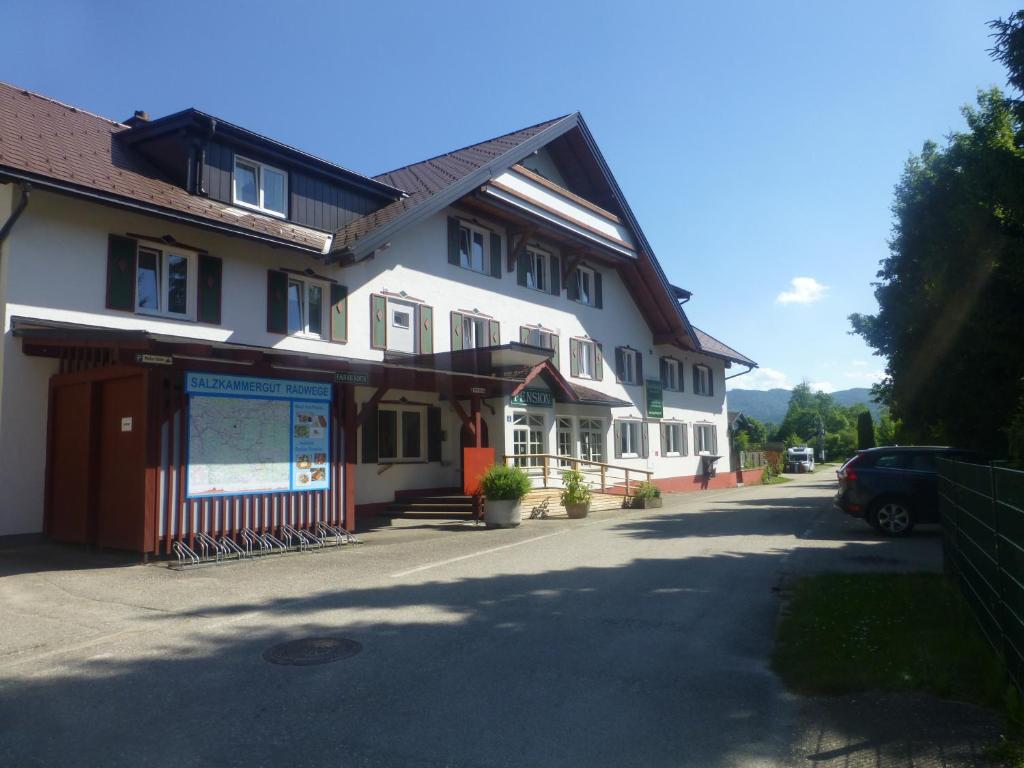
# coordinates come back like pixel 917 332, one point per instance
pixel 503 488
pixel 647 495
pixel 575 493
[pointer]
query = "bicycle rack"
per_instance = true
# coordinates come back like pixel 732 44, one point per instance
pixel 207 544
pixel 291 538
pixel 251 539
pixel 229 547
pixel 312 540
pixel 339 534
pixel 184 552
pixel 273 543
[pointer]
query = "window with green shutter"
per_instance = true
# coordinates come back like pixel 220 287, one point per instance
pixel 208 306
pixel 378 321
pixel 339 313
pixel 277 301
pixel 121 256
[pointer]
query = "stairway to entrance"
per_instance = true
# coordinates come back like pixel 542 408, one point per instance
pixel 540 502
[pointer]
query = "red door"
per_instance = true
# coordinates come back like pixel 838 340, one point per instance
pixel 71 456
pixel 121 475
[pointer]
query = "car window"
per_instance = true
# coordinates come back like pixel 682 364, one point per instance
pixel 922 462
pixel 889 461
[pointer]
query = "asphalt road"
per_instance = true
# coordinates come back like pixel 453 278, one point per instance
pixel 634 638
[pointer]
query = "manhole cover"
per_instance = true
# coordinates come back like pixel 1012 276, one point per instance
pixel 312 650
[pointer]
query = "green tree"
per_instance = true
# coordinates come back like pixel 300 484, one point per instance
pixel 888 429
pixel 951 292
pixel 865 431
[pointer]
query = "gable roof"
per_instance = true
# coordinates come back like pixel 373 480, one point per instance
pixel 431 184
pixel 65 149
pixel 712 346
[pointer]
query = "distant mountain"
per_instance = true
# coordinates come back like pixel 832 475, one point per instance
pixel 770 405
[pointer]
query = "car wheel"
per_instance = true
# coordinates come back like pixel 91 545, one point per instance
pixel 893 517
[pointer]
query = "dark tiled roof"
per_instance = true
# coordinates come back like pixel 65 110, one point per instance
pixel 421 181
pixel 713 346
pixel 48 140
pixel 590 396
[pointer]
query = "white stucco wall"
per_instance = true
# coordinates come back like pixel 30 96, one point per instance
pixel 53 266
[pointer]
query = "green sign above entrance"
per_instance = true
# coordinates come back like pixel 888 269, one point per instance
pixel 655 406
pixel 539 398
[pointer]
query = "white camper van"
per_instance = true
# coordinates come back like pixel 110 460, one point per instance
pixel 800 458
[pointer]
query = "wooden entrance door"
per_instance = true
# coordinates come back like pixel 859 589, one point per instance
pixel 70 470
pixel 121 474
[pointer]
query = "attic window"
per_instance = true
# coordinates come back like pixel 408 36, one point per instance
pixel 260 186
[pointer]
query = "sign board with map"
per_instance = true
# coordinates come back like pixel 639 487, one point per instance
pixel 253 435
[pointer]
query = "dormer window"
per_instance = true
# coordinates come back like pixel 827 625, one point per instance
pixel 260 186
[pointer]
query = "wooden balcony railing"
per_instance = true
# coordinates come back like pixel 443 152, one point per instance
pixel 548 467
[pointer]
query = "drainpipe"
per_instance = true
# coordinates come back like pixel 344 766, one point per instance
pixel 200 160
pixel 741 373
pixel 19 209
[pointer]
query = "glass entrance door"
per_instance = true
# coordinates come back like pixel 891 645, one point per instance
pixel 592 439
pixel 566 443
pixel 527 438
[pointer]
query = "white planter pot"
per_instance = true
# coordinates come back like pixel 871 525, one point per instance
pixel 506 513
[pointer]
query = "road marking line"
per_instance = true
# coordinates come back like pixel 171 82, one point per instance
pixel 451 560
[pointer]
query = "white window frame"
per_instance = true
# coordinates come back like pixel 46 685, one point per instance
pixel 578 276
pixel 325 293
pixel 391 303
pixel 236 200
pixel 539 263
pixel 594 426
pixel 677 367
pixel 703 438
pixel 400 457
pixel 544 337
pixel 628 366
pixel 485 234
pixel 703 383
pixel 627 427
pixel 530 423
pixel 675 434
pixel 588 352
pixel 477 329
pixel 163 285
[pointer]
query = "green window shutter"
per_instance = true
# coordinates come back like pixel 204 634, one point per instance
pixel 681 370
pixel 554 358
pixel 598 362
pixel 696 380
pixel 664 439
pixel 521 264
pixel 714 439
pixel 644 440
pixel 210 273
pixel 524 335
pixel 574 357
pixel 663 370
pixel 711 380
pixel 426 330
pixel 453 241
pixel 378 321
pixel 685 434
pixel 598 300
pixel 495 254
pixel 339 313
pixel 572 287
pixel 370 435
pixel 121 261
pixel 620 363
pixel 456 326
pixel 494 332
pixel 556 274
pixel 433 433
pixel 639 367
pixel 277 301
pixel 617 432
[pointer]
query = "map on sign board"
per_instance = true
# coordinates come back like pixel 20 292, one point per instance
pixel 238 445
pixel 254 435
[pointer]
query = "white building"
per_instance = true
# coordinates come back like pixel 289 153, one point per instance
pixel 367 330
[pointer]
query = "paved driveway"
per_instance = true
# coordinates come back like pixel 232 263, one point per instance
pixel 637 638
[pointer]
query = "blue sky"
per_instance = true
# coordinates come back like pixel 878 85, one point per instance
pixel 757 142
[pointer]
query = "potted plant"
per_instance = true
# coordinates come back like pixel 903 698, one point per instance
pixel 576 494
pixel 647 496
pixel 504 488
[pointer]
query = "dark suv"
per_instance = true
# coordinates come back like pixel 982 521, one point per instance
pixel 895 488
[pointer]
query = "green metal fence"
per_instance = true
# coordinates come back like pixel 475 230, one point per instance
pixel 982 509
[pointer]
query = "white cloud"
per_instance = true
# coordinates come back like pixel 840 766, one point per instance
pixel 822 386
pixel 862 378
pixel 762 378
pixel 806 290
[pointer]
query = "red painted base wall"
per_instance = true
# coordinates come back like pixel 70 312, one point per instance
pixel 701 483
